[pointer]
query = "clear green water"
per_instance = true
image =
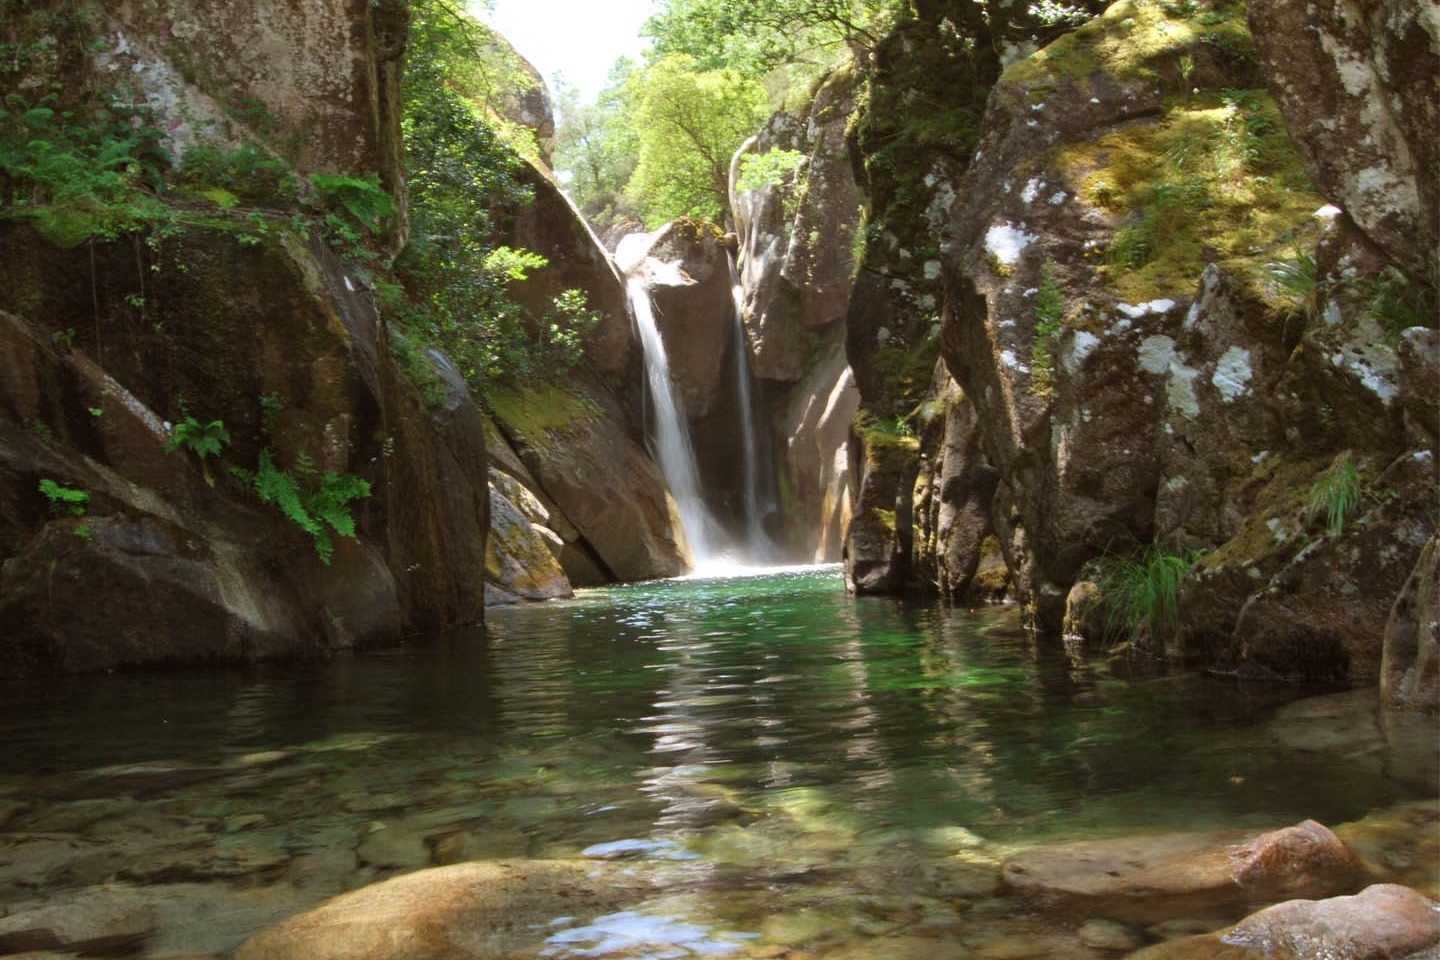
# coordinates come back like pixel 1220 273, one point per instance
pixel 761 738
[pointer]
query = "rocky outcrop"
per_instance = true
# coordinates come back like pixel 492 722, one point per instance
pixel 176 561
pixel 1360 90
pixel 797 236
pixel 606 498
pixel 521 552
pixel 817 485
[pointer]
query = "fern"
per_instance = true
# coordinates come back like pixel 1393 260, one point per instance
pixel 319 510
pixel 202 439
pixel 364 199
pixel 71 500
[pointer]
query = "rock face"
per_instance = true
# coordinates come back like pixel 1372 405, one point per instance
pixel 1361 95
pixel 473 910
pixel 1410 669
pixel 224 577
pixel 521 552
pixel 1148 879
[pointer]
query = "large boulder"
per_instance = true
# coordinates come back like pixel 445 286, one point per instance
pixel 1360 90
pixel 224 576
pixel 607 498
pixel 1149 879
pixel 521 552
pixel 469 911
pixel 1382 922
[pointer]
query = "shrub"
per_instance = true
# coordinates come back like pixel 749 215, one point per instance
pixel 768 169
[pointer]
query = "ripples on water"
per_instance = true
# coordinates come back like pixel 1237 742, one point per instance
pixel 747 731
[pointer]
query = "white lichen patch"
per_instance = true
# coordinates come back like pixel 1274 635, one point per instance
pixel 1180 391
pixel 1233 374
pixel 1032 190
pixel 1058 198
pixel 1327 212
pixel 932 269
pixel 1010 360
pixel 1006 242
pixel 1155 354
pixel 1082 344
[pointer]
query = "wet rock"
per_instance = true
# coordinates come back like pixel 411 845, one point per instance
pixel 1148 879
pixel 99 919
pixel 1185 927
pixel 202 862
pixel 398 846
pixel 329 871
pixel 481 844
pixel 483 911
pixel 1410 666
pixel 520 559
pixel 1108 935
pixel 1382 921
pixel 1399 844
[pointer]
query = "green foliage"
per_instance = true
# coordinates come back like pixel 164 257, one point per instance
pixel 760 36
pixel 63 499
pixel 595 146
pixel 77 173
pixel 1051 13
pixel 1142 594
pixel 1299 283
pixel 689 124
pixel 202 439
pixel 1335 495
pixel 247 172
pixel 318 505
pixel 363 198
pixel 768 169
pixel 1395 302
pixel 1049 321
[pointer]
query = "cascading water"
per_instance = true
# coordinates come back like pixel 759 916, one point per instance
pixel 757 544
pixel 672 436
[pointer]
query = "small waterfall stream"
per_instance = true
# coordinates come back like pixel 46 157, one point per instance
pixel 757 544
pixel 672 436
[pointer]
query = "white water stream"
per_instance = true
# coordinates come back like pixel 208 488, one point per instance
pixel 757 544
pixel 672 436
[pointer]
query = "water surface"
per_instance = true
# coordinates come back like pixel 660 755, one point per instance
pixel 770 741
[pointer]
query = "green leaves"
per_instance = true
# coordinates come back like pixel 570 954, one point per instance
pixel 316 506
pixel 768 169
pixel 202 439
pixel 71 500
pixel 1143 593
pixel 1336 494
pixel 362 197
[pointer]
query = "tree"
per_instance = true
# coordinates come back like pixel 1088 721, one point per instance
pixel 757 36
pixel 596 146
pixel 689 123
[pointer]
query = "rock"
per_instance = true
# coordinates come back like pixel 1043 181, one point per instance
pixel 482 910
pixel 1108 935
pixel 397 846
pixel 97 919
pixel 573 443
pixel 1410 664
pixel 225 577
pixel 815 428
pixel 1145 880
pixel 1185 927
pixel 1399 844
pixel 1082 611
pixel 1359 91
pixel 481 844
pixel 519 559
pixel 1381 921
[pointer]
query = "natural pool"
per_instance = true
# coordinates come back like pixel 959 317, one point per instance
pixel 785 765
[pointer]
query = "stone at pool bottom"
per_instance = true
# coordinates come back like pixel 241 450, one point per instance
pixel 473 910
pixel 1382 922
pixel 1149 879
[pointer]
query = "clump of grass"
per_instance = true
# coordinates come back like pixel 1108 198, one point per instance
pixel 1144 593
pixel 1336 495
pixel 1049 321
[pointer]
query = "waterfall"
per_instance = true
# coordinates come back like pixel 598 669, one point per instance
pixel 757 544
pixel 672 436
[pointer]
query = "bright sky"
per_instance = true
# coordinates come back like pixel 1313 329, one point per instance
pixel 577 39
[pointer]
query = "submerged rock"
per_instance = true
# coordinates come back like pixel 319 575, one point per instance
pixel 1150 879
pixel 474 911
pixel 98 919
